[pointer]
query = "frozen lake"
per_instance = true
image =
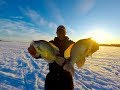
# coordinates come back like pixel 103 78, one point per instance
pixel 19 71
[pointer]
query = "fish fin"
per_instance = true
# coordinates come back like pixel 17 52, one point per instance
pixel 67 51
pixel 49 61
pixel 80 63
pixel 69 67
pixel 56 49
pixel 59 60
pixel 91 56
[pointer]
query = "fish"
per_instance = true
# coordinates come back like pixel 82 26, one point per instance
pixel 76 53
pixel 46 50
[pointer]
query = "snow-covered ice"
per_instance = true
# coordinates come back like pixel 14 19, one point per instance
pixel 19 71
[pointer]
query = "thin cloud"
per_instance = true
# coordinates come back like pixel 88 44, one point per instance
pixel 52 25
pixel 55 11
pixel 38 19
pixel 16 17
pixel 20 31
pixel 71 32
pixel 86 6
pixel 35 17
pixel 3 2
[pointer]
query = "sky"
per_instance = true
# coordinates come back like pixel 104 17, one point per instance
pixel 27 20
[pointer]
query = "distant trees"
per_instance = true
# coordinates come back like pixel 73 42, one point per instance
pixel 116 45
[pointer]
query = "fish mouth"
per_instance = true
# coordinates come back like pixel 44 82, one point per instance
pixel 32 50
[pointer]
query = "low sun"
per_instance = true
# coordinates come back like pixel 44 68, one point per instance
pixel 99 36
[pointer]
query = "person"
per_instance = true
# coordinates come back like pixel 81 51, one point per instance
pixel 58 78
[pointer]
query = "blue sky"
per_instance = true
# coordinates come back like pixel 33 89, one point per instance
pixel 27 20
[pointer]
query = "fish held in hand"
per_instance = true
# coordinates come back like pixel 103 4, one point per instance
pixel 79 51
pixel 45 50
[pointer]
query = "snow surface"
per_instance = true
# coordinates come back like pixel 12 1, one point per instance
pixel 19 71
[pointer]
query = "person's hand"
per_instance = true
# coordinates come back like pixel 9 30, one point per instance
pixel 69 67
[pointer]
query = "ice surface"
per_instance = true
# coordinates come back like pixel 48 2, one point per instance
pixel 19 71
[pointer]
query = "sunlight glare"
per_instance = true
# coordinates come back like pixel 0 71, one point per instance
pixel 100 36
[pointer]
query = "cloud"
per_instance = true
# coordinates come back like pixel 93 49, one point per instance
pixel 52 25
pixel 2 2
pixel 71 33
pixel 16 17
pixel 37 18
pixel 55 11
pixel 20 31
pixel 86 6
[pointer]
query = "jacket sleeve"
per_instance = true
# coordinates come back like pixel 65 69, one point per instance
pixel 71 41
pixel 51 41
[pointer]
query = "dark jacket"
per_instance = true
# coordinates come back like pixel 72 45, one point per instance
pixel 58 78
pixel 62 45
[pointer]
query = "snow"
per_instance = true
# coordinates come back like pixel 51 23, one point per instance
pixel 19 71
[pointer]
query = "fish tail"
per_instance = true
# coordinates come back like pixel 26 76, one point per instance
pixel 69 67
pixel 81 62
pixel 59 60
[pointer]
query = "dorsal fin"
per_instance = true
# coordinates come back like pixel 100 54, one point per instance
pixel 53 46
pixel 56 49
pixel 67 51
pixel 80 63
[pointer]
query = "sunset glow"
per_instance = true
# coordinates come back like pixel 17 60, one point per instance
pixel 100 36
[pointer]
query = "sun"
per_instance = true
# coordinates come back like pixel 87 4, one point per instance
pixel 100 36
